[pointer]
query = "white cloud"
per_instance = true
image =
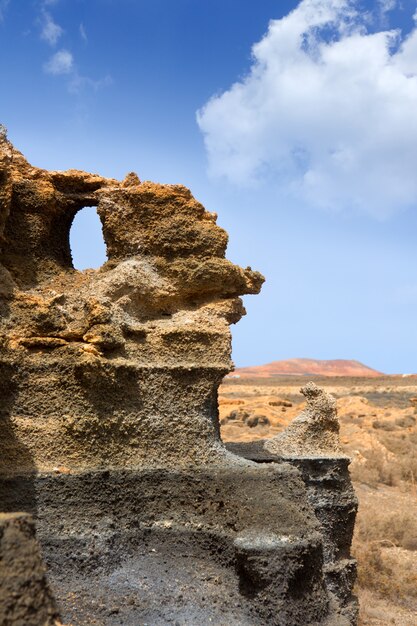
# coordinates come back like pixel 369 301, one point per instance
pixel 61 62
pixel 3 6
pixel 78 83
pixel 387 5
pixel 51 31
pixel 326 114
pixel 83 33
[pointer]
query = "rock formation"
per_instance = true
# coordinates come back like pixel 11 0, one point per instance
pixel 311 444
pixel 119 366
pixel 315 432
pixel 109 430
pixel 25 598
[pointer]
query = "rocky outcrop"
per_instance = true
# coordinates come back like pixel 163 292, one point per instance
pixel 311 444
pixel 25 598
pixel 109 430
pixel 118 366
pixel 315 432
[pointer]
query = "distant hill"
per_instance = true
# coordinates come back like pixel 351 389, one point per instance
pixel 306 367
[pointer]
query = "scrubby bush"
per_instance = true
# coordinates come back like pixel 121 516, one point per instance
pixel 257 420
pixel 377 468
pixel 397 528
pixel 380 544
pixel 384 425
pixel 393 463
pixel 407 421
pixel 385 573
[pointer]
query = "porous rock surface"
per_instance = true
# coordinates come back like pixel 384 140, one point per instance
pixel 109 430
pixel 311 444
pixel 99 368
pixel 25 598
pixel 315 432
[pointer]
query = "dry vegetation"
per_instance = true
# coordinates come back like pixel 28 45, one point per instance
pixel 379 431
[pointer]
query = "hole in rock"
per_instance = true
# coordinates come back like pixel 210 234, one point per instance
pixel 88 249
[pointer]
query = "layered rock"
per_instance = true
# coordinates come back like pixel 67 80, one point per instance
pixel 109 430
pixel 311 444
pixel 120 365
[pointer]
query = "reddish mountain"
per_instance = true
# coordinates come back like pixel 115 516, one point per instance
pixel 306 367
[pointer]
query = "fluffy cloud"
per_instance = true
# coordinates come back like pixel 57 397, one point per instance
pixel 327 112
pixel 61 62
pixel 51 31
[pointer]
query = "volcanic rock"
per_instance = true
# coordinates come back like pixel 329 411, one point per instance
pixel 109 429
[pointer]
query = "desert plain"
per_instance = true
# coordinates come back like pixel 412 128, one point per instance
pixel 378 430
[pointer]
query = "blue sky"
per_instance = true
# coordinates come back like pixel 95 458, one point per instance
pixel 301 133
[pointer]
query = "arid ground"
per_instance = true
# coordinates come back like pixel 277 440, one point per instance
pixel 378 420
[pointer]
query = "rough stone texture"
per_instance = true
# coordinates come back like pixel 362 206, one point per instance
pixel 109 430
pixel 335 505
pixel 311 444
pixel 315 432
pixel 120 366
pixel 173 546
pixel 25 598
